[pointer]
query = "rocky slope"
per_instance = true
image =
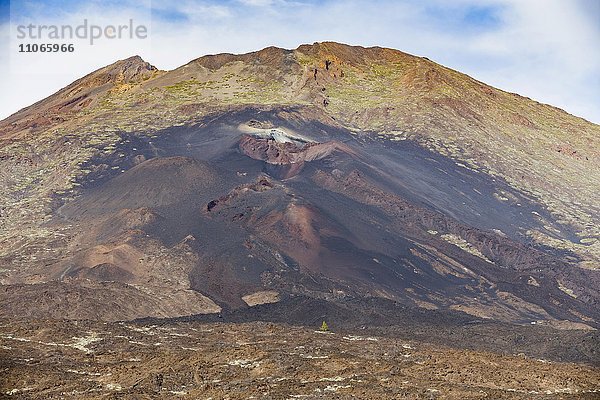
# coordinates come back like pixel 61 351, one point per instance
pixel 328 171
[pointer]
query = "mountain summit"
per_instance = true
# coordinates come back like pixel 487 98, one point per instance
pixel 360 178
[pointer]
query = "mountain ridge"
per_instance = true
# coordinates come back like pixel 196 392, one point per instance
pixel 219 59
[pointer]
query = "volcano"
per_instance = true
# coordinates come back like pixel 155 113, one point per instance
pixel 183 233
pixel 331 173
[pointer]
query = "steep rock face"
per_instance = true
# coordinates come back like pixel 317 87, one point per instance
pixel 273 152
pixel 289 157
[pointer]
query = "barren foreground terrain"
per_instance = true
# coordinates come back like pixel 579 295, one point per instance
pixel 93 360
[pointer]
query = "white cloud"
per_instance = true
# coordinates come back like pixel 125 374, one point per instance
pixel 257 3
pixel 544 49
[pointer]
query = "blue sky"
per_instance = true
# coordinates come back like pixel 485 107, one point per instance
pixel 544 49
pixel 4 10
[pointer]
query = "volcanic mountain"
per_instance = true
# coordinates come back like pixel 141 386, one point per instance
pixel 325 176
